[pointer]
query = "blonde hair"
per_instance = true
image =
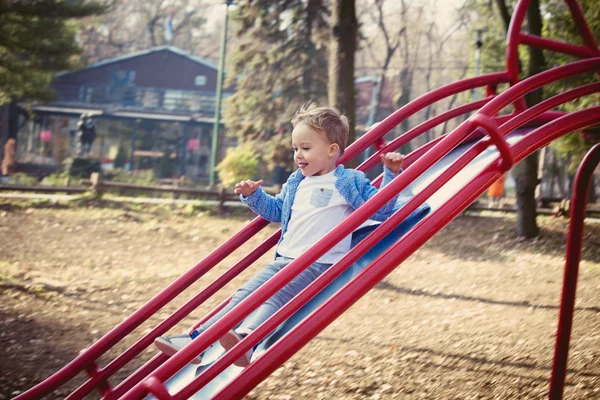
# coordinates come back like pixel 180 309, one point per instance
pixel 327 120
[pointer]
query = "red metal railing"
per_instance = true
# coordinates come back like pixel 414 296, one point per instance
pixel 574 243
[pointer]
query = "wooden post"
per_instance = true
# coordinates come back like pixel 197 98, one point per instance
pixel 221 198
pixel 96 184
pixel 176 183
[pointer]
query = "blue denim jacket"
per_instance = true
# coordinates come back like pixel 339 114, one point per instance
pixel 352 184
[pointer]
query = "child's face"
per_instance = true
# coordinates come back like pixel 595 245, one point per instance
pixel 313 153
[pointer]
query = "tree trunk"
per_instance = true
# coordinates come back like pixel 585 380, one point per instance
pixel 404 99
pixel 312 9
pixel 527 179
pixel 344 32
pixel 560 176
pixel 592 191
pixel 505 14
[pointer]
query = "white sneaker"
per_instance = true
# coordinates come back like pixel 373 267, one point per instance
pixel 173 344
pixel 229 340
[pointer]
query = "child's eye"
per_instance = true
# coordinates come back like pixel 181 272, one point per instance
pixel 305 148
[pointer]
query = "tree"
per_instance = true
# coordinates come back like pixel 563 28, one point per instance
pixel 344 32
pixel 37 40
pixel 391 41
pixel 132 26
pixel 278 64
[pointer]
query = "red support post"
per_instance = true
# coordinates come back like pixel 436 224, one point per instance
pixel 574 242
pixel 559 47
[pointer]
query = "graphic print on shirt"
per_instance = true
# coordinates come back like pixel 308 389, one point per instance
pixel 320 197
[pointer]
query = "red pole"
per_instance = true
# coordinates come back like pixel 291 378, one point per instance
pixel 574 242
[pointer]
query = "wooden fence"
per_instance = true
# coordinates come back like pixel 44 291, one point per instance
pixel 97 187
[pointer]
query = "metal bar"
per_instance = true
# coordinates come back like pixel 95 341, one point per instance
pixel 498 139
pixel 529 114
pixel 536 117
pixel 574 244
pixel 419 103
pixel 581 24
pixel 103 385
pixel 502 119
pixel 155 387
pixel 560 47
pixel 554 129
pixel 137 376
pixel 420 129
pixel 512 46
pixel 520 89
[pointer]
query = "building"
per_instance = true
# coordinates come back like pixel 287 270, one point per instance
pixel 148 105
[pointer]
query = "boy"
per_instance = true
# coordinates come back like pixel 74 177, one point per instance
pixel 316 198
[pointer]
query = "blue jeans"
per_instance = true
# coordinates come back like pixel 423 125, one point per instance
pixel 278 300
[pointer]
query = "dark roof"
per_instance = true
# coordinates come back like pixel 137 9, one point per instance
pixel 171 49
pixel 122 114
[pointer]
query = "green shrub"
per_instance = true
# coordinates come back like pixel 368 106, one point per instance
pixel 57 179
pixel 21 178
pixel 239 163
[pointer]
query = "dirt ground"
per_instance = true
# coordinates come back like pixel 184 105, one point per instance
pixel 471 315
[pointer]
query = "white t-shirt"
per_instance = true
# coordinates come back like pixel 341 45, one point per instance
pixel 318 208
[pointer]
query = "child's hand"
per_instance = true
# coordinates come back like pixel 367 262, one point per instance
pixel 393 161
pixel 247 187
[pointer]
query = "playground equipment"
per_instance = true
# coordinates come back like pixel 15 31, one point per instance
pixel 449 173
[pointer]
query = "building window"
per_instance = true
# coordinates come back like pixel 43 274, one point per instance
pixel 200 80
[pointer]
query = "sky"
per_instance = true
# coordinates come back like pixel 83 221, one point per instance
pixel 443 11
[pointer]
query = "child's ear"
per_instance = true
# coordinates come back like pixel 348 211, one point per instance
pixel 334 149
